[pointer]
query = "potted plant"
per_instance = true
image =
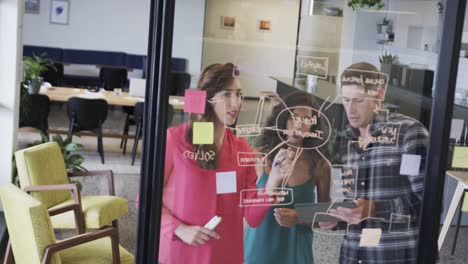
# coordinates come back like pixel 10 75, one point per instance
pixel 386 61
pixel 34 66
pixel 356 4
pixel 386 25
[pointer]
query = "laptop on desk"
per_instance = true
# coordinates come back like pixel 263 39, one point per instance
pixel 137 87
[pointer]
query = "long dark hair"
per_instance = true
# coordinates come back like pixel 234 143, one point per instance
pixel 271 139
pixel 213 79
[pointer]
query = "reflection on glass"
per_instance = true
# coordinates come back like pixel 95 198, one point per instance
pixel 338 150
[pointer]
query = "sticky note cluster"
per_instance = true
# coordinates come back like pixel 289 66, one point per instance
pixel 203 133
pixel 194 101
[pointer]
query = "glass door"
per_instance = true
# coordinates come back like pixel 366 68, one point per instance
pixel 297 131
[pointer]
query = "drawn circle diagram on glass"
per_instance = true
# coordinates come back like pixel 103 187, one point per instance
pixel 319 128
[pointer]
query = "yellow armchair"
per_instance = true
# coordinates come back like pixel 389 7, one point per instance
pixel 42 173
pixel 33 241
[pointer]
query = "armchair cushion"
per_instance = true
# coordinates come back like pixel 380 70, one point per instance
pixel 43 165
pixel 95 252
pixel 29 226
pixel 98 211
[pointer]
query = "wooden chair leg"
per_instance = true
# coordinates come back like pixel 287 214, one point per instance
pixel 80 222
pixel 460 214
pixel 8 254
pixel 115 247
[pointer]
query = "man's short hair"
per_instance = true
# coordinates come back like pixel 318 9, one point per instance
pixel 362 70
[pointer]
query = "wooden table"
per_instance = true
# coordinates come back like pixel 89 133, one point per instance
pixel 462 186
pixel 62 94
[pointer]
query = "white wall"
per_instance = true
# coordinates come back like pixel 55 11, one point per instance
pixel 188 34
pixel 421 16
pixel 320 36
pixel 348 32
pixel 108 25
pixel 10 52
pixel 116 25
pixel 259 54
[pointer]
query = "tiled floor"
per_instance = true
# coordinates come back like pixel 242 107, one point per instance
pixel 127 177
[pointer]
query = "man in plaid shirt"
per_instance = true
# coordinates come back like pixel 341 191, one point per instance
pixel 388 196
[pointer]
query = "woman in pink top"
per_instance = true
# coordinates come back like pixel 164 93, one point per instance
pixel 192 172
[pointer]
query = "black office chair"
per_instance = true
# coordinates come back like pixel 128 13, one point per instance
pixel 54 76
pixel 87 115
pixel 35 112
pixel 178 83
pixel 138 121
pixel 113 77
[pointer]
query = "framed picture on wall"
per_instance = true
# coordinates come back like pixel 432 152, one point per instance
pixel 264 25
pixel 228 22
pixel 31 6
pixel 59 11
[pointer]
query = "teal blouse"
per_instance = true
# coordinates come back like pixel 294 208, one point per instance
pixel 271 243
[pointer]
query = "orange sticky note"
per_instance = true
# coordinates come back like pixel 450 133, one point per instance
pixel 203 133
pixel 194 101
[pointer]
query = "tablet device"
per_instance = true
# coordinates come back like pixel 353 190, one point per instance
pixel 306 211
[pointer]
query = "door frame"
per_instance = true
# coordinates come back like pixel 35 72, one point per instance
pixel 442 110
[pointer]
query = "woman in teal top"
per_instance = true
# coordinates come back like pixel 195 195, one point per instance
pixel 280 238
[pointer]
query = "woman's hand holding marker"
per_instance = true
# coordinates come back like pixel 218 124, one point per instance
pixel 281 166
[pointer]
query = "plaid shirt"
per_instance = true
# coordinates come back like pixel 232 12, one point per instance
pixel 398 198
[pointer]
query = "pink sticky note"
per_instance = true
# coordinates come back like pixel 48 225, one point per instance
pixel 194 101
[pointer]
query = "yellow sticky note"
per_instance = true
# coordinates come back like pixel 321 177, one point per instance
pixel 203 133
pixel 460 157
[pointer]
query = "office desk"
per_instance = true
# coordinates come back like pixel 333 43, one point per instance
pixel 62 94
pixel 462 186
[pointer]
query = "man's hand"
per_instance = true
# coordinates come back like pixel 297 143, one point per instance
pixel 285 217
pixel 195 235
pixel 364 208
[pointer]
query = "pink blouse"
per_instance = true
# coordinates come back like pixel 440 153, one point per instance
pixel 190 198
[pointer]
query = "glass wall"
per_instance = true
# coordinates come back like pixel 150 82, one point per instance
pixel 451 240
pixel 303 134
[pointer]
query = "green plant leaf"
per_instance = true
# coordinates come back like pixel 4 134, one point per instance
pixel 57 138
pixel 80 168
pixel 35 143
pixel 44 138
pixel 356 4
pixel 75 159
pixel 72 147
pixel 35 65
